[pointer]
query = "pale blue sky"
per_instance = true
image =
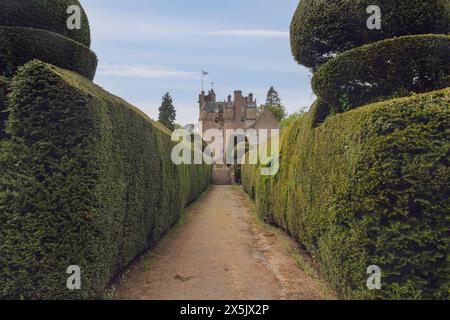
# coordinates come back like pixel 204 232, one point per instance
pixel 148 47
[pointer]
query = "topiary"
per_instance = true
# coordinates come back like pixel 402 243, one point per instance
pixel 320 111
pixel 322 29
pixel 385 69
pixel 50 15
pixel 38 30
pixel 3 115
pixel 369 186
pixel 85 179
pixel 19 45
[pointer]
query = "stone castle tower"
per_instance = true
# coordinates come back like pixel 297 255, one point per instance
pixel 236 112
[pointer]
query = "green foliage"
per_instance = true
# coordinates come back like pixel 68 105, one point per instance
pixel 167 113
pixel 322 29
pixel 50 15
pixel 320 110
pixel 3 115
pixel 291 118
pixel 273 99
pixel 273 103
pixel 87 180
pixel 20 45
pixel 382 70
pixel 369 186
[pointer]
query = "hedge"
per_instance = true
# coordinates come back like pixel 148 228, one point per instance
pixel 320 110
pixel 20 45
pixel 382 70
pixel 3 87
pixel 50 15
pixel 322 29
pixel 87 180
pixel 368 187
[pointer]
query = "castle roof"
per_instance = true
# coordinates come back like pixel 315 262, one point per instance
pixel 266 115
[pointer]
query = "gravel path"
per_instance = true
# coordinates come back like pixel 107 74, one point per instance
pixel 221 252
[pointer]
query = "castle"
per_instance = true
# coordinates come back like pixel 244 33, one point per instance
pixel 239 113
pixel 234 113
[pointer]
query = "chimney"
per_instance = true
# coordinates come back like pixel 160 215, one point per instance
pixel 229 99
pixel 250 98
pixel 237 95
pixel 201 98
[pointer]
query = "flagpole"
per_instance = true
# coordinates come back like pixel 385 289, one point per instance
pixel 204 73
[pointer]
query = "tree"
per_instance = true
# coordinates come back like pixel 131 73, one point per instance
pixel 167 113
pixel 273 103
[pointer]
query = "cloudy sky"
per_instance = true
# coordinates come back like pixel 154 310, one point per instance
pixel 149 47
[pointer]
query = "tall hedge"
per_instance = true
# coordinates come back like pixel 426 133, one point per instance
pixel 3 115
pixel 50 15
pixel 19 45
pixel 385 69
pixel 87 180
pixel 322 29
pixel 368 187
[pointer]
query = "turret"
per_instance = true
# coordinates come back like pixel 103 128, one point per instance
pixel 201 98
pixel 237 95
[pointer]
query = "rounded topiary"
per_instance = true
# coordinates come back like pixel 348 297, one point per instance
pixel 50 15
pixel 383 70
pixel 19 45
pixel 322 29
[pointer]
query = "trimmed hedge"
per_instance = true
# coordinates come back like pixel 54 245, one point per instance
pixel 382 70
pixel 87 180
pixel 322 29
pixel 320 110
pixel 20 45
pixel 47 15
pixel 3 115
pixel 368 187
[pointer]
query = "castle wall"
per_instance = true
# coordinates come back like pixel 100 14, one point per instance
pixel 237 116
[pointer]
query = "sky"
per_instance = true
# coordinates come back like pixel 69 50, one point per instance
pixel 149 47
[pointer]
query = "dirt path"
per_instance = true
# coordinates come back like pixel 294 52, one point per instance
pixel 220 252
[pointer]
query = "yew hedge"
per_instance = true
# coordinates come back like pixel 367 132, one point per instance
pixel 87 180
pixel 368 187
pixel 19 45
pixel 50 15
pixel 320 30
pixel 3 115
pixel 379 71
